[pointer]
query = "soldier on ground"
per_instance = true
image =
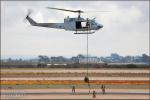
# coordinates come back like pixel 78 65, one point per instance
pixel 73 89
pixel 103 88
pixel 94 94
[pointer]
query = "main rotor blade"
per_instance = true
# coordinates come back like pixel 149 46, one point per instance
pixel 76 11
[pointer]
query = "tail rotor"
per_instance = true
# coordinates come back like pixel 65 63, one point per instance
pixel 28 14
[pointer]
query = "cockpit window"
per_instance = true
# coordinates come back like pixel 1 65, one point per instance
pixel 92 23
pixel 71 19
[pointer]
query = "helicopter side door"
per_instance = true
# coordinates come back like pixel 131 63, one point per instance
pixel 82 25
pixel 78 25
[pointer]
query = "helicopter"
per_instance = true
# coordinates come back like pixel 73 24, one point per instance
pixel 77 24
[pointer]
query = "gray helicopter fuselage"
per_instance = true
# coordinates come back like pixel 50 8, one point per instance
pixel 80 24
pixel 70 24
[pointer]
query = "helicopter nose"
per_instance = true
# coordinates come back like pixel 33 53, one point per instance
pixel 100 26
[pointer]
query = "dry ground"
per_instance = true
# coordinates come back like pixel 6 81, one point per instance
pixel 110 94
pixel 63 76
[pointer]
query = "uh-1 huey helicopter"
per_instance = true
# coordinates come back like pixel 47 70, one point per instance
pixel 78 24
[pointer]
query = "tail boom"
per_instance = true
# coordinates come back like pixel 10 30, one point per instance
pixel 49 25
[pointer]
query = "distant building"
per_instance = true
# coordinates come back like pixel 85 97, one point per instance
pixel 115 58
pixel 91 59
pixel 34 61
pixel 60 60
pixel 74 60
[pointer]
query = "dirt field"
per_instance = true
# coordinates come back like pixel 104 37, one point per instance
pixel 76 70
pixel 121 79
pixel 80 94
pixel 79 78
pixel 54 73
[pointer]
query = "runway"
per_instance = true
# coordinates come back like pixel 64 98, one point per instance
pixel 80 93
pixel 48 91
pixel 77 93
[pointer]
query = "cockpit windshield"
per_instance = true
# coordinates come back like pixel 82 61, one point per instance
pixel 93 23
pixel 71 19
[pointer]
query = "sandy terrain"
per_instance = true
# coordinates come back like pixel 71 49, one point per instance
pixel 66 94
pixel 80 78
pixel 114 93
pixel 78 70
pixel 135 97
pixel 77 90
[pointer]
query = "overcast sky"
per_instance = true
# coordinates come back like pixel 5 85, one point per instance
pixel 125 31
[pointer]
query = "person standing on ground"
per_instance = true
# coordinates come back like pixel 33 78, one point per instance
pixel 73 89
pixel 94 94
pixel 103 88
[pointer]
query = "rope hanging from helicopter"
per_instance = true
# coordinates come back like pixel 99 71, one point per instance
pixel 86 79
pixel 87 53
pixel 88 62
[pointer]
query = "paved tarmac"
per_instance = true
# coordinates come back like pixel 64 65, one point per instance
pixel 80 93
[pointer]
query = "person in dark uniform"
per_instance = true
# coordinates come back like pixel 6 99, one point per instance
pixel 103 88
pixel 94 94
pixel 73 89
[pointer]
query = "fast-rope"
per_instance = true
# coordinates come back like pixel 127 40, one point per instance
pixel 86 79
pixel 87 47
pixel 88 62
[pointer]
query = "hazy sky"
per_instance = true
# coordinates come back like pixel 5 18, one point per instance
pixel 125 31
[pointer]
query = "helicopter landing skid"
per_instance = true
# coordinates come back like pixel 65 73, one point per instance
pixel 85 32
